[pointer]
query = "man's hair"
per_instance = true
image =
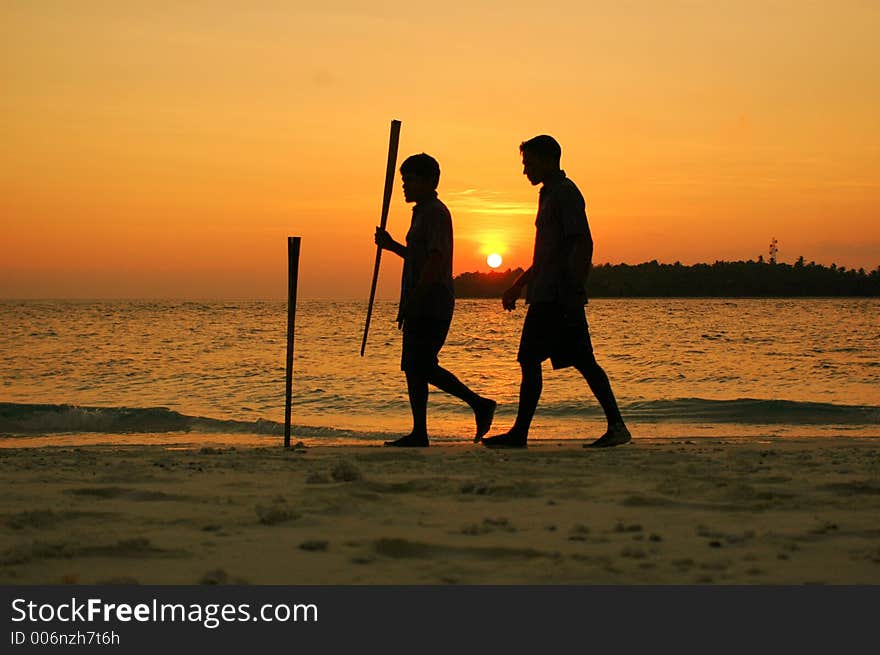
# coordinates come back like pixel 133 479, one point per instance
pixel 422 165
pixel 543 146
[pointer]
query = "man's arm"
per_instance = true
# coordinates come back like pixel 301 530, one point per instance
pixel 579 263
pixel 578 251
pixel 384 241
pixel 581 258
pixel 508 300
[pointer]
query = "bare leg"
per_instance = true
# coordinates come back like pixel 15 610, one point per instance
pixel 529 393
pixel 417 388
pixel 484 408
pixel 617 433
pixel 601 388
pixel 446 381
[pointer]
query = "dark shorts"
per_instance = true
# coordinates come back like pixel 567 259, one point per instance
pixel 551 330
pixel 423 337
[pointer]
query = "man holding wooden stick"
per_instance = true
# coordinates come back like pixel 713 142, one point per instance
pixel 427 300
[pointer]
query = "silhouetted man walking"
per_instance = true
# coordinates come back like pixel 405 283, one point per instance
pixel 427 299
pixel 556 325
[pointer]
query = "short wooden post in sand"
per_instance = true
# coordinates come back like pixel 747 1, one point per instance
pixel 292 276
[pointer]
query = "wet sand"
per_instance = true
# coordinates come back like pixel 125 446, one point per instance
pixel 688 511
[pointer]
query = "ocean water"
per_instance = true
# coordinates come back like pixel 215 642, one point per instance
pixel 679 367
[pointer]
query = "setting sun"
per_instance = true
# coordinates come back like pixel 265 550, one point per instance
pixel 494 260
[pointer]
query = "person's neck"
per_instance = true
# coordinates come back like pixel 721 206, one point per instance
pixel 553 176
pixel 425 198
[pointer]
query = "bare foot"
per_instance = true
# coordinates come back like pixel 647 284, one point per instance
pixel 410 441
pixel 484 416
pixel 506 440
pixel 617 435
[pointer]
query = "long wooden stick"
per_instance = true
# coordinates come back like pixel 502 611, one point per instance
pixel 386 203
pixel 292 276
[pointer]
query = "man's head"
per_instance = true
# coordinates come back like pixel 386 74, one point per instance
pixel 421 175
pixel 540 156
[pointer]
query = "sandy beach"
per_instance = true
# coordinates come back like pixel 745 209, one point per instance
pixel 689 511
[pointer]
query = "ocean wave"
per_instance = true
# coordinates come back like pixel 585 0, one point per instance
pixel 751 411
pixel 29 419
pixel 742 411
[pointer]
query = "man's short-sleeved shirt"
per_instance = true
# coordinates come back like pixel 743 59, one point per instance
pixel 430 231
pixel 561 215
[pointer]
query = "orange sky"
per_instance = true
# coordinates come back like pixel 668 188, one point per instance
pixel 166 149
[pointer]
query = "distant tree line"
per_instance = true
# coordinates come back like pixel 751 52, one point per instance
pixel 721 279
pixel 485 285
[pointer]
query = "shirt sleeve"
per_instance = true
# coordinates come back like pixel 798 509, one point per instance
pixel 572 211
